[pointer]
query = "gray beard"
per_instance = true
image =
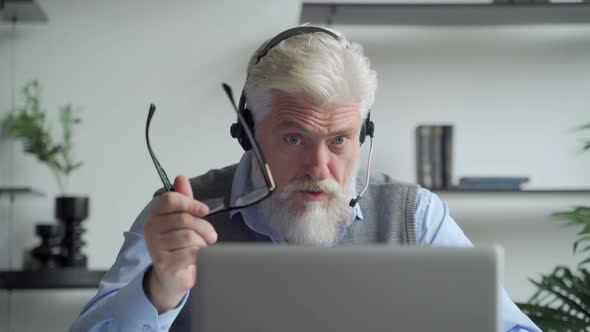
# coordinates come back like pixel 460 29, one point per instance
pixel 317 223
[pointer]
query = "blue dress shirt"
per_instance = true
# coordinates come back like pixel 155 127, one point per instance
pixel 121 303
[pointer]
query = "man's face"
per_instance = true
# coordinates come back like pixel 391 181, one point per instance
pixel 313 154
pixel 302 141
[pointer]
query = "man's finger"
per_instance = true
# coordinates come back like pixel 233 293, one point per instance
pixel 185 221
pixel 180 239
pixel 182 258
pixel 173 202
pixel 182 185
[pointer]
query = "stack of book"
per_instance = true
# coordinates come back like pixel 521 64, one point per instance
pixel 434 162
pixel 492 183
pixel 434 149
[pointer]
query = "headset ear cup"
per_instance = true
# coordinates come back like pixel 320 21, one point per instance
pixel 371 128
pixel 237 131
pixel 244 142
pixel 234 130
pixel 249 119
pixel 363 133
pixel 367 129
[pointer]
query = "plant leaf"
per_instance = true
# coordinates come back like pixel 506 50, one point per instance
pixel 580 240
pixel 552 319
pixel 584 261
pixel 29 124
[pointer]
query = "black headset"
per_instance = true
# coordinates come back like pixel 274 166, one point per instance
pixel 236 129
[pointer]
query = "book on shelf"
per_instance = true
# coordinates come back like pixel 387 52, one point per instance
pixel 492 182
pixel 423 162
pixel 434 149
pixel 447 156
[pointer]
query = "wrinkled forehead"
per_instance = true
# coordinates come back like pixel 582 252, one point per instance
pixel 324 99
pixel 296 108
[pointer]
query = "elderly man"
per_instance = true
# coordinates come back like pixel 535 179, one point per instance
pixel 307 97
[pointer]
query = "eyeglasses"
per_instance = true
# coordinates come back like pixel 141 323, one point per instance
pixel 218 205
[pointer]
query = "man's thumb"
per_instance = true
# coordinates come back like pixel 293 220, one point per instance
pixel 183 186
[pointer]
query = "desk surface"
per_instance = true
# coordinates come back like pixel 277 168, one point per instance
pixel 63 278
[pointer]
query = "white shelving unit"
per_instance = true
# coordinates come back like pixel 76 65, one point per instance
pixel 496 13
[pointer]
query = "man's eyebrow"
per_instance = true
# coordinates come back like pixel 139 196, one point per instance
pixel 288 124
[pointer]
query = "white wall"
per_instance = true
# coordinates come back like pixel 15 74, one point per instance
pixel 513 93
pixel 112 58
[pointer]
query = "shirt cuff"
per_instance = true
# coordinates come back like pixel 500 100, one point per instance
pixel 134 311
pixel 513 319
pixel 520 328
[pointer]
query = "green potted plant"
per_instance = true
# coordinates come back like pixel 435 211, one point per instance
pixel 28 124
pixel 562 299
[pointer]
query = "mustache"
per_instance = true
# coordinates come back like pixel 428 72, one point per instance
pixel 327 186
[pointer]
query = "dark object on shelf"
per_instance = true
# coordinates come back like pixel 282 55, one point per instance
pixel 434 156
pixel 50 279
pixel 47 254
pixel 447 156
pixel 495 13
pixel 21 11
pixel 71 211
pixel 490 182
pixel 13 191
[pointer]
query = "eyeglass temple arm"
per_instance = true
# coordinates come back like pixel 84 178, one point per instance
pixel 159 167
pixel 267 174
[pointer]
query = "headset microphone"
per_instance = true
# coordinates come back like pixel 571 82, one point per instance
pixel 370 131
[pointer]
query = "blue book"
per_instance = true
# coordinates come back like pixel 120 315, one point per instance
pixel 491 182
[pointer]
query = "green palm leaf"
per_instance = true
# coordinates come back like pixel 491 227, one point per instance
pixel 550 319
pixel 562 299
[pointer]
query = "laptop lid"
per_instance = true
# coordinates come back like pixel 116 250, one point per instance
pixel 253 287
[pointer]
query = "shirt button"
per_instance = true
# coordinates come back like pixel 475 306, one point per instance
pixel 147 327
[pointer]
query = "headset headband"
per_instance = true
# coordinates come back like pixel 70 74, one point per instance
pixel 367 129
pixel 292 33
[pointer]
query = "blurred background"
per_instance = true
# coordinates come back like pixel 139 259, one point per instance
pixel 514 93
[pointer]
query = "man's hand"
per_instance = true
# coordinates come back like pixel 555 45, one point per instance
pixel 174 233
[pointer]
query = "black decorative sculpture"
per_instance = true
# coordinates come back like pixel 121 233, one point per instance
pixel 47 254
pixel 71 211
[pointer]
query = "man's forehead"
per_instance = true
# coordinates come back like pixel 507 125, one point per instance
pixel 289 120
pixel 281 98
pixel 291 105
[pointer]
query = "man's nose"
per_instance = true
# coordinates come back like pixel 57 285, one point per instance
pixel 317 160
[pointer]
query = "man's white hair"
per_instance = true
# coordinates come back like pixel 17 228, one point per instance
pixel 315 65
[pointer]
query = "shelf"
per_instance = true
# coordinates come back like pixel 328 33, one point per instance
pixel 64 278
pixel 515 191
pixel 13 191
pixel 21 11
pixel 445 14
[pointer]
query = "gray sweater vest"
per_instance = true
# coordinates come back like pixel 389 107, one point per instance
pixel 388 209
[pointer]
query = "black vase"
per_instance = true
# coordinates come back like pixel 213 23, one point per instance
pixel 47 255
pixel 71 211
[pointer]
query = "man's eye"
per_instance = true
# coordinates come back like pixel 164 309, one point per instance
pixel 293 140
pixel 339 140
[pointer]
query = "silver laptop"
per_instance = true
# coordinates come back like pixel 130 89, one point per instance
pixel 253 287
